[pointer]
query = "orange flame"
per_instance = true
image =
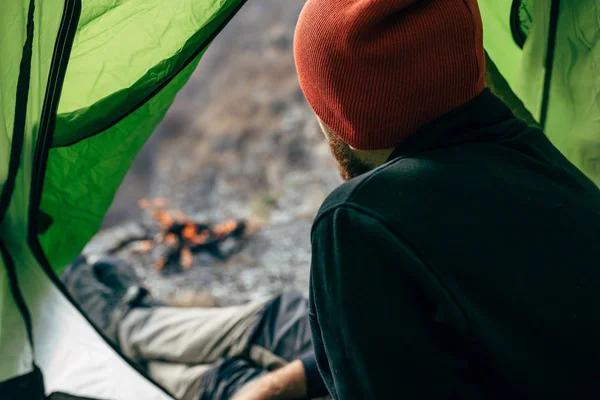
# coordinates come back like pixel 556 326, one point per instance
pixel 189 231
pixel 189 235
pixel 170 238
pixel 225 228
pixel 163 217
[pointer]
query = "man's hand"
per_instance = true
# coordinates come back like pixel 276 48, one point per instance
pixel 288 382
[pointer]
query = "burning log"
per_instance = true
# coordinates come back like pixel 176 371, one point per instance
pixel 142 244
pixel 230 228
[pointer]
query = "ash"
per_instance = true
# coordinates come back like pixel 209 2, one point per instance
pixel 239 142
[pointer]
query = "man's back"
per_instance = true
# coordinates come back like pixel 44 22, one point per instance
pixel 465 267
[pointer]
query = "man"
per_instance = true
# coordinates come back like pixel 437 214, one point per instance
pixel 459 260
pixel 201 353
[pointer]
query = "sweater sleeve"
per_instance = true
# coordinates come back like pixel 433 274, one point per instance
pixel 314 383
pixel 372 314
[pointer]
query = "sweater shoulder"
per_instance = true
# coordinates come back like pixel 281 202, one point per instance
pixel 369 190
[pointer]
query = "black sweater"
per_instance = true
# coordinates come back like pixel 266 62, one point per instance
pixel 466 267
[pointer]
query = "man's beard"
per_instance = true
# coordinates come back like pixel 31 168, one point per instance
pixel 348 163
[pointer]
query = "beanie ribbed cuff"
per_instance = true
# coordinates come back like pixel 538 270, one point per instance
pixel 376 71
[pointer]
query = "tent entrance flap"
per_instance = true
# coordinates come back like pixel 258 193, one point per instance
pixel 104 137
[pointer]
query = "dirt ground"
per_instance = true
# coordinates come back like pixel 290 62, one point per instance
pixel 239 142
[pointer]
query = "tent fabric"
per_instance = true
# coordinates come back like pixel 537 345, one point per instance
pixel 123 55
pixel 12 41
pixel 17 358
pixel 498 39
pixel 81 179
pixel 570 45
pixel 115 66
pixel 573 122
pixel 32 66
pixel 17 354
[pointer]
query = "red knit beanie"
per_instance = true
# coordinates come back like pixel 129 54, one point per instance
pixel 375 71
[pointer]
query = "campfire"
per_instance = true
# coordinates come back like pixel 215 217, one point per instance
pixel 181 237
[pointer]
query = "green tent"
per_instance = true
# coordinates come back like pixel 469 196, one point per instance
pixel 549 53
pixel 83 83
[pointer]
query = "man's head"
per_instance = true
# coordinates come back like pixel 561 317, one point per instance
pixel 375 72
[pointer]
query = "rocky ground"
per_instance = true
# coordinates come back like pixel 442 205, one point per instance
pixel 239 142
